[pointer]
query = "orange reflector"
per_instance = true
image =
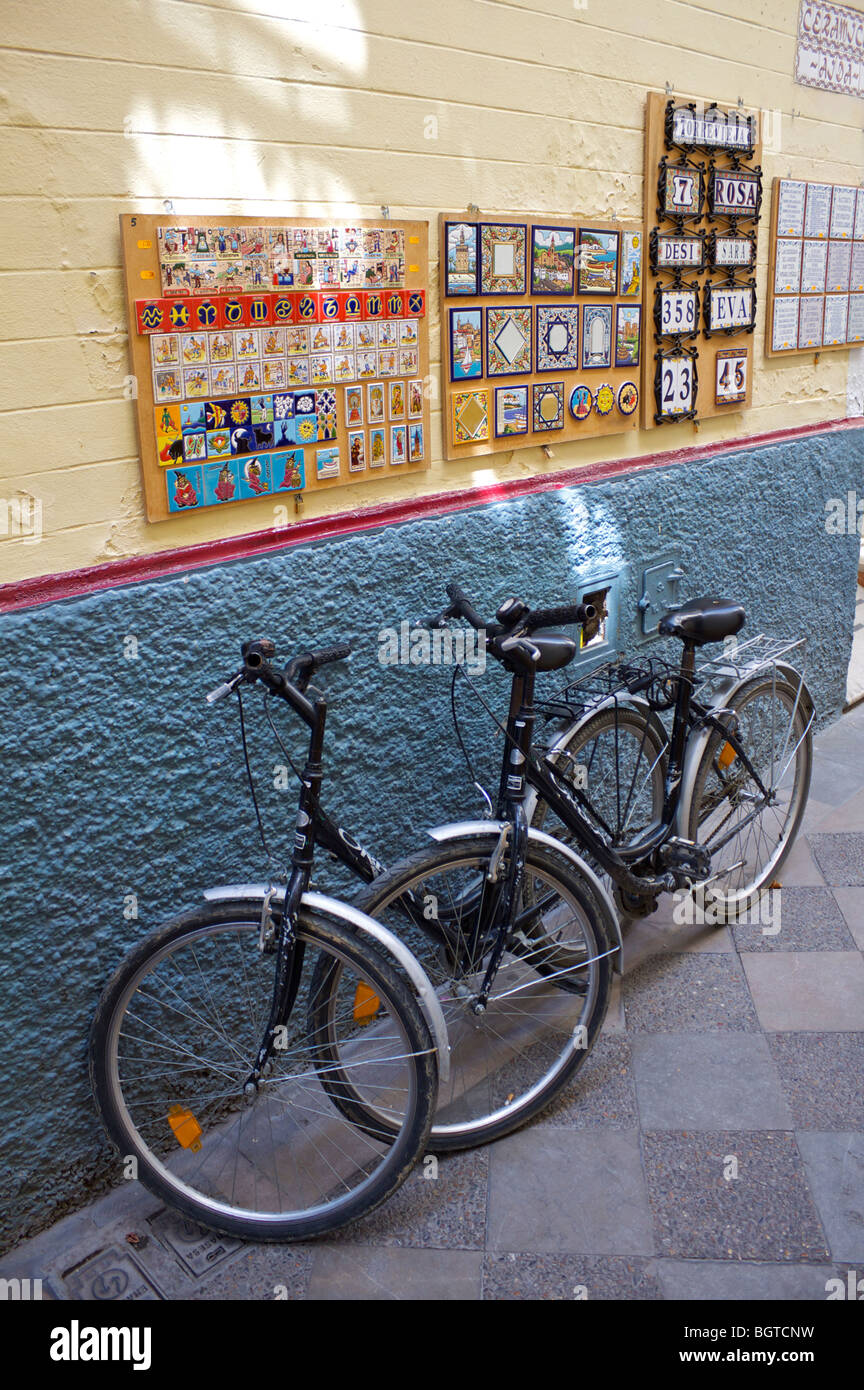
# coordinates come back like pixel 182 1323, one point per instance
pixel 727 755
pixel 187 1130
pixel 366 1003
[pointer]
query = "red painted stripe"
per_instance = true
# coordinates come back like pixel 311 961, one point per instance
pixel 27 593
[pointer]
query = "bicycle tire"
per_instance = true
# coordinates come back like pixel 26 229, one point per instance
pixel 169 1176
pixel 484 1092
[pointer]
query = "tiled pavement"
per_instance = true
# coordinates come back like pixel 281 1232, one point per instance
pixel 713 1147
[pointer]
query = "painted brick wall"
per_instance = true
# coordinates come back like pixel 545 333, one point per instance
pixel 119 779
pixel 266 106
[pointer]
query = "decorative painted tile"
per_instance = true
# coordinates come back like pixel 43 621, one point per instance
pixel 388 362
pixel 193 349
pixel 216 416
pixel 396 400
pixel 288 471
pixel 344 337
pixel 373 241
pixel 206 314
pixel 249 376
pixel 502 258
pixel 168 420
pixel 242 440
pixel 221 348
pixel 297 341
pixel 234 312
pixel 372 276
pixel 356 451
pixel 375 399
pixel 304 241
pixel 168 385
pixel 553 251
pixel 330 302
pixel 597 335
pixel 598 262
pixel 221 483
pixel 321 338
pixel 508 341
pixel 388 333
pixel 631 265
pixel 394 271
pixel 351 241
pixel 194 446
pixel 326 414
pixel 247 345
pixel 557 337
pixel 284 432
pixel 350 271
pixel 260 306
pixel 628 322
pixel 628 397
pixel 284 305
pixel 366 335
pixel 306 429
pixel 377 449
pixel 283 405
pixel 254 476
pixel 470 416
pixel 196 382
pixel 393 242
pixel 273 375
pixel 416 303
pixel 581 402
pixel 185 489
pixel 466 344
pixel 218 444
pixel 398 445
pixel 152 315
pixel 165 350
pixel 354 404
pixel 408 335
pixel 306 402
pixel 408 361
pixel 416 444
pixel 549 405
pixel 308 307
pixel 193 416
pixel 272 343
pixel 264 436
pixel 511 410
pixel 604 399
pixel 261 409
pixel 394 302
pixel 367 365
pixel 321 369
pixel 344 366
pixel 305 274
pixel 415 399
pixel 297 371
pixel 460 258
pixel 327 463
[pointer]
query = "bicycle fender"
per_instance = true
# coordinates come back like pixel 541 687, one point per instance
pixel 359 922
pixel 442 833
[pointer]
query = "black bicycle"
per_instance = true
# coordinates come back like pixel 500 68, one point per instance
pixel 211 1049
pixel 518 932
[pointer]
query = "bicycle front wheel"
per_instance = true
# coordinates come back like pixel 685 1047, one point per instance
pixel 174 1040
pixel 548 999
pixel 749 829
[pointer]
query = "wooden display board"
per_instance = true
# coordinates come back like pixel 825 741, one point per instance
pixel 723 360
pixel 275 355
pixel 513 344
pixel 815 300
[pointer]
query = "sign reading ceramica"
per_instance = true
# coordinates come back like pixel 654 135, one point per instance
pixel 830 51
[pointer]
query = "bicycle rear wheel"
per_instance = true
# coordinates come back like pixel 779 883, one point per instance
pixel 548 999
pixel 749 833
pixel 173 1042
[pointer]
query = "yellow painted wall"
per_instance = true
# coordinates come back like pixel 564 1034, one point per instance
pixel 321 107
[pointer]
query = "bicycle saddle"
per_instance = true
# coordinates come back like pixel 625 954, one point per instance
pixel 703 620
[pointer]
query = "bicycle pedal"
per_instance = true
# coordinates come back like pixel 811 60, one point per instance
pixel 685 857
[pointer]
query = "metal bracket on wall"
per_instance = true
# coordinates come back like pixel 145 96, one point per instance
pixel 660 584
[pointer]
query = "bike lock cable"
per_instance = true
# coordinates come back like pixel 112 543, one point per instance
pixel 471 773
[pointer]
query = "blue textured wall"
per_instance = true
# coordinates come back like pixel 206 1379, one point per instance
pixel 119 779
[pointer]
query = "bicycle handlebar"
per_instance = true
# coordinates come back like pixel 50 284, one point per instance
pixel 291 683
pixel 523 618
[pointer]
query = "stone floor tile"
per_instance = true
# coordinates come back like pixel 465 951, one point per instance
pixel 443 1212
pixel 734 1280
pixel 688 993
pixel 840 857
pixel 601 1093
pixel 801 869
pixel 794 919
pixel 368 1273
pixel 707 1081
pixel 821 1076
pixel 573 1191
pixel 819 991
pixel 593 1278
pixel 851 903
pixel 765 1213
pixel 835 1172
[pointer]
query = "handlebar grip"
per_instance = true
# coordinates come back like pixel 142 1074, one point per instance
pixel 464 607
pixel 340 652
pixel 562 616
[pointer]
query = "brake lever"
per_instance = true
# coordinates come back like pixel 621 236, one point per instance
pixel 225 688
